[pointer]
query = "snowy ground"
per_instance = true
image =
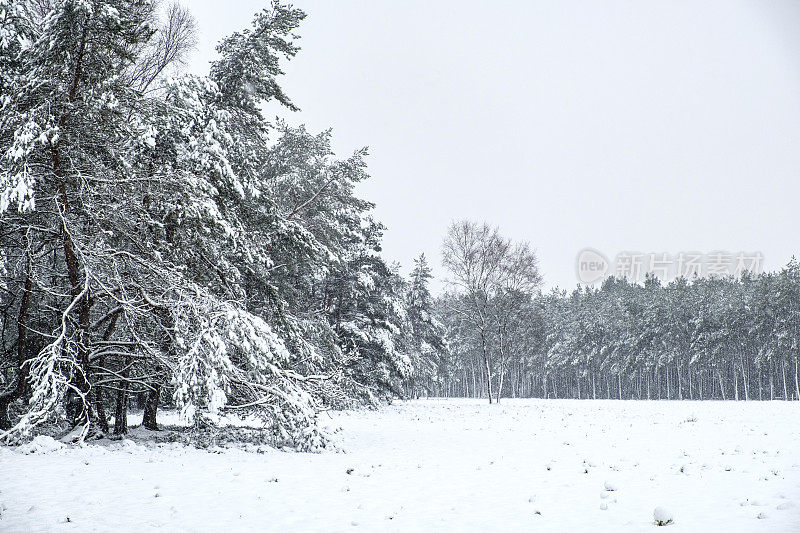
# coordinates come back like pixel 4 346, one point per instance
pixel 443 465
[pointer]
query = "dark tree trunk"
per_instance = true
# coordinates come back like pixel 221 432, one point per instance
pixel 151 408
pixel 121 414
pixel 80 379
pixel 102 419
pixel 5 420
pixel 22 369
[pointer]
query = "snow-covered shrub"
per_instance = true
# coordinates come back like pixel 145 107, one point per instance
pixel 40 444
pixel 233 361
pixel 662 516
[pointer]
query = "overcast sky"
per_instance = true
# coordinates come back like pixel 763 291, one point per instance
pixel 651 126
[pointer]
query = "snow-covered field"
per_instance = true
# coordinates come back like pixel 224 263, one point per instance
pixel 441 465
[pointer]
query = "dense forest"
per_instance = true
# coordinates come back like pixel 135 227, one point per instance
pixel 706 338
pixel 163 244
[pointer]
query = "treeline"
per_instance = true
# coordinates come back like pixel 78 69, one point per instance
pixel 708 338
pixel 160 240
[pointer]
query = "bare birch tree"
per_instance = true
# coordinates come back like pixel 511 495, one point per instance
pixel 495 277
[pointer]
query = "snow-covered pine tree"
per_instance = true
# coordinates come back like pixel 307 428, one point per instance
pixel 151 213
pixel 787 326
pixel 68 134
pixel 428 347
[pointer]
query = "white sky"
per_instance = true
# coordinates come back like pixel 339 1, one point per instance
pixel 652 126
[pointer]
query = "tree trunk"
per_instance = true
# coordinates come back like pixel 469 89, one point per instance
pixel 71 259
pixel 81 382
pixel 772 383
pixel 502 364
pixel 488 378
pixel 121 415
pixel 474 379
pixel 700 384
pixel 783 374
pixel 744 382
pixel 639 385
pixel 102 420
pixel 5 420
pixel 502 380
pixel 151 408
pixel 22 368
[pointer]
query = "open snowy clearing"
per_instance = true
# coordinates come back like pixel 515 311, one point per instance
pixel 445 465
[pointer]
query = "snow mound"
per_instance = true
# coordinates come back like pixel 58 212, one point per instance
pixel 662 516
pixel 126 446
pixel 41 444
